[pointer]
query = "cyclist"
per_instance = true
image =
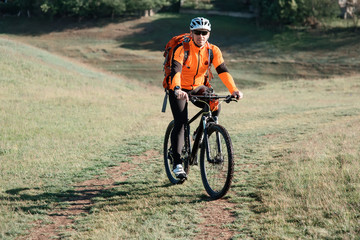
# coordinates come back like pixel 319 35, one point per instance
pixel 190 78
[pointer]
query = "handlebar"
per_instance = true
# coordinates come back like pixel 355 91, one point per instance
pixel 227 98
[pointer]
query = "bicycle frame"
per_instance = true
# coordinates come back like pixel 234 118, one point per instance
pixel 196 144
pixel 201 131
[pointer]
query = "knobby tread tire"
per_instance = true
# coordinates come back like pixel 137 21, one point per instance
pixel 229 162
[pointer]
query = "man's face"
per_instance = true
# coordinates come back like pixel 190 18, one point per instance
pixel 200 36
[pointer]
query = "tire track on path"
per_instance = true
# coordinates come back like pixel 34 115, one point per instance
pixel 215 215
pixel 62 220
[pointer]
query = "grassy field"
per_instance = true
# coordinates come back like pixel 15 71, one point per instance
pixel 80 100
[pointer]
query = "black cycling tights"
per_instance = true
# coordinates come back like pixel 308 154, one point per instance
pixel 180 114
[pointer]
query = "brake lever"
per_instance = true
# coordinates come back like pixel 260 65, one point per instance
pixel 194 99
pixel 230 98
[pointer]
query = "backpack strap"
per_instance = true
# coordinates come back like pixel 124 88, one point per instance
pixel 209 74
pixel 211 55
pixel 186 45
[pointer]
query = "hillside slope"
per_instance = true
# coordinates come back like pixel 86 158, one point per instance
pixel 58 119
pixel 254 55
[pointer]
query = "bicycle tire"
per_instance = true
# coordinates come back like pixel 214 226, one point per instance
pixel 168 161
pixel 217 172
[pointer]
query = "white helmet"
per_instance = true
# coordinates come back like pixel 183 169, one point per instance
pixel 200 23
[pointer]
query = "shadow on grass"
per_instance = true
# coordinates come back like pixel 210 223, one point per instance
pixel 87 198
pixel 226 31
pixel 49 200
pixel 38 26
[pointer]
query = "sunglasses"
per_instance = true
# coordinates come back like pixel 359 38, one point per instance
pixel 204 33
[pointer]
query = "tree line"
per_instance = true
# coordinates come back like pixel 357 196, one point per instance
pixel 281 12
pixel 81 8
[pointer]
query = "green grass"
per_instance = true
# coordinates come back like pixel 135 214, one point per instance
pixel 291 137
pixel 321 195
pixel 63 122
pixel 56 117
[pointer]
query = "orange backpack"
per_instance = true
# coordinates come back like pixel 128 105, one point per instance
pixel 183 39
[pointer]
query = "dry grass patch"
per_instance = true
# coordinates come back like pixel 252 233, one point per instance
pixel 316 190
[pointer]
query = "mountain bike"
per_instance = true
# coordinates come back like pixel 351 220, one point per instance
pixel 216 155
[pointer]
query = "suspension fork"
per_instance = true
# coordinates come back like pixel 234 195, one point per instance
pixel 206 125
pixel 206 138
pixel 218 138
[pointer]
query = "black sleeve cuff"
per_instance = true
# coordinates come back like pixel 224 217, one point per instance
pixel 221 68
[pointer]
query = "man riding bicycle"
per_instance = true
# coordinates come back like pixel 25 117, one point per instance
pixel 190 78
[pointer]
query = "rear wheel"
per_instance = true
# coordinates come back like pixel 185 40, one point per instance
pixel 217 169
pixel 168 159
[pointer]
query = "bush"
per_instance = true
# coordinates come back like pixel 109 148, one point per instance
pixel 82 8
pixel 294 11
pixel 9 8
pixel 232 5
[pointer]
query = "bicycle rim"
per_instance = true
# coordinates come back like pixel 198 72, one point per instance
pixel 217 169
pixel 168 160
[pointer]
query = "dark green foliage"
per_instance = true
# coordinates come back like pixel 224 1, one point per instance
pixel 9 8
pixel 294 11
pixel 274 12
pixel 82 8
pixel 232 5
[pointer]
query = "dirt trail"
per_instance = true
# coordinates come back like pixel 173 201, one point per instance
pixel 215 213
pixel 62 219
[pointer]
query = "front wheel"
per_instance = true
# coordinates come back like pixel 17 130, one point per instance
pixel 168 159
pixel 217 167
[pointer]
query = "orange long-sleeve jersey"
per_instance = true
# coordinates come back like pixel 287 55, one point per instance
pixel 192 74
